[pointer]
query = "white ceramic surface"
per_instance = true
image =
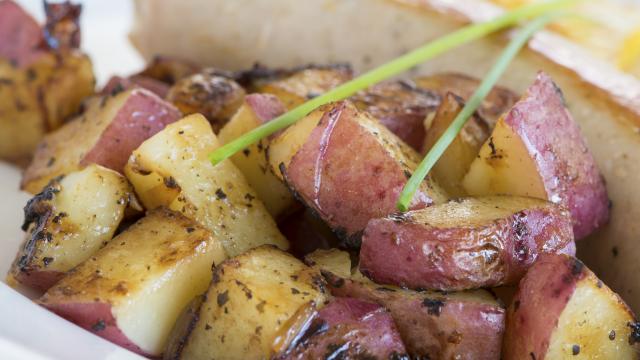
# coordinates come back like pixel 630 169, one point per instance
pixel 27 331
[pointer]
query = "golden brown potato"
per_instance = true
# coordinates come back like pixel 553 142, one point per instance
pixel 210 93
pixel 563 311
pixel 256 110
pixel 250 299
pixel 132 291
pixel 297 85
pixel 65 226
pixel 172 169
pixel 105 134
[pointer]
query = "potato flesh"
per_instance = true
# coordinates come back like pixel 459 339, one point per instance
pixel 250 298
pixel 77 225
pixel 146 275
pixel 218 197
pixel 252 161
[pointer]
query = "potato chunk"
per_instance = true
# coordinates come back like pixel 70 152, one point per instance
pixel 106 134
pixel 537 150
pixel 563 311
pixel 172 169
pixel 132 290
pixel 256 110
pixel 65 226
pixel 352 169
pixel 250 299
pixel 464 244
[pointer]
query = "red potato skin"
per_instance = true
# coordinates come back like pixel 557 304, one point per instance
pixel 396 250
pixel 548 285
pixel 265 106
pixel 125 133
pixel 40 280
pixel 96 318
pixel 434 328
pixel 345 175
pixel 20 35
pixel 570 174
pixel 118 83
pixel 353 328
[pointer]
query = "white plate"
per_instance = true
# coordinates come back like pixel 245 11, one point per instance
pixel 28 331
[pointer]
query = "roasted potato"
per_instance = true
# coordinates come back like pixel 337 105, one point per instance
pixel 117 84
pixel 432 325
pixel 537 150
pixel 345 328
pixel 105 134
pixel 65 226
pixel 131 291
pixel 352 169
pixel 210 93
pixel 400 106
pixel 454 163
pixel 250 300
pixel 297 85
pixel 563 311
pixel 466 243
pixel 257 109
pixel 172 169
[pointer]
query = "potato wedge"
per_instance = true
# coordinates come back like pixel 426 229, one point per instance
pixel 172 169
pixel 208 92
pixel 433 325
pixel 297 85
pixel 537 150
pixel 250 299
pixel 65 226
pixel 106 134
pixel 468 243
pixel 345 328
pixel 401 106
pixel 351 169
pixel 454 163
pixel 256 110
pixel 132 290
pixel 563 311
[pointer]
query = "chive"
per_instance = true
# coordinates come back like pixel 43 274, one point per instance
pixel 385 71
pixel 474 102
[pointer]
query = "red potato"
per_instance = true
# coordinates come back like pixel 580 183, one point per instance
pixel 563 311
pixel 117 84
pixel 400 106
pixel 20 35
pixel 346 328
pixel 464 244
pixel 106 134
pixel 435 325
pixel 352 169
pixel 537 150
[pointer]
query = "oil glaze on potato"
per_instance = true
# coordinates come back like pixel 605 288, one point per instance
pixel 464 244
pixel 563 311
pixel 250 299
pixel 256 110
pixel 132 290
pixel 345 328
pixel 537 150
pixel 65 226
pixel 105 134
pixel 172 169
pixel 351 169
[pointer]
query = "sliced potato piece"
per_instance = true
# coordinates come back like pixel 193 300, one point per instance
pixel 537 150
pixel 132 291
pixel 352 169
pixel 467 243
pixel 250 299
pixel 172 169
pixel 563 311
pixel 65 226
pixel 105 134
pixel 256 110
